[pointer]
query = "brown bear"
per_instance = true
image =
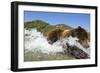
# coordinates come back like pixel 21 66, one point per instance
pixel 79 32
pixel 54 35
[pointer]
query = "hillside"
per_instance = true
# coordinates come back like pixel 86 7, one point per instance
pixel 43 26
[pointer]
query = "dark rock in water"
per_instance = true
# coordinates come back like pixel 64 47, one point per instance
pixel 77 52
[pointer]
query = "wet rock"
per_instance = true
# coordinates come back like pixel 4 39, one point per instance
pixel 76 52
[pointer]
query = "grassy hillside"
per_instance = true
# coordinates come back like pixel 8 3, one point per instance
pixel 43 26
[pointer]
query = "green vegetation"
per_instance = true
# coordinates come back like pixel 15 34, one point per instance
pixel 44 27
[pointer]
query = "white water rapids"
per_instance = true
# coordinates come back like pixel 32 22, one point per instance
pixel 35 41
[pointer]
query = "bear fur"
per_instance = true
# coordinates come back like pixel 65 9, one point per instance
pixel 58 34
pixel 54 35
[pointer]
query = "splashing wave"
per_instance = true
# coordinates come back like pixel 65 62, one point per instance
pixel 35 41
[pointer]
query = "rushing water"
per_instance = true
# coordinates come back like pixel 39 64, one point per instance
pixel 35 41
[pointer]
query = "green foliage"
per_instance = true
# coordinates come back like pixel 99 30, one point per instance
pixel 44 27
pixel 38 24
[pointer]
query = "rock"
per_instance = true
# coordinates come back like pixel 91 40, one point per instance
pixel 76 52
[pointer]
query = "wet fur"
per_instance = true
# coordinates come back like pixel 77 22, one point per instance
pixel 58 34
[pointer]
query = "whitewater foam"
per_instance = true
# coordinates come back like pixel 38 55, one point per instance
pixel 35 41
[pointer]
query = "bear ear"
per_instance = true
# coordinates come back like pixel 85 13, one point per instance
pixel 79 27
